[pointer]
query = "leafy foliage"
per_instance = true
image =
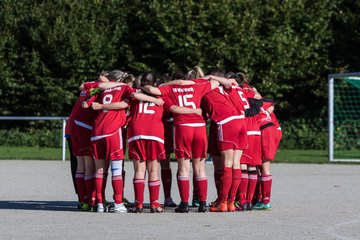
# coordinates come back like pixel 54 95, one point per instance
pixel 47 48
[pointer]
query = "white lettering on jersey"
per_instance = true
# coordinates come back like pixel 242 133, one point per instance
pixel 107 99
pixel 144 107
pixel 189 89
pixel 112 89
pixel 184 101
pixel 246 103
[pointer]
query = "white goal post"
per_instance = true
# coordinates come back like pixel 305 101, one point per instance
pixel 344 117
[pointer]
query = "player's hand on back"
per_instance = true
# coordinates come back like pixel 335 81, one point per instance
pixel 198 111
pixel 159 102
pixel 96 106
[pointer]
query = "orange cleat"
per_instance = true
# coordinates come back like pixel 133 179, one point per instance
pixel 230 207
pixel 219 207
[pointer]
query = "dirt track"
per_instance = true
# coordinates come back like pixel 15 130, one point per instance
pixel 37 201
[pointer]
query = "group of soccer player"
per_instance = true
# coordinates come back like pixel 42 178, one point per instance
pixel 169 115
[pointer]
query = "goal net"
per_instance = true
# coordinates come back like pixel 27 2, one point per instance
pixel 344 117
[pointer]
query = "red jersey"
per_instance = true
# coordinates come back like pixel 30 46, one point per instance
pixel 145 122
pixel 186 96
pixel 275 121
pixel 84 117
pixel 108 122
pixel 239 99
pixel 218 105
pixel 76 107
pixel 263 118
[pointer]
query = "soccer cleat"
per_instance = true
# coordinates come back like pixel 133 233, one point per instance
pixel 119 208
pixel 258 206
pixel 100 208
pixel 138 208
pixel 219 207
pixel 108 206
pixel 239 207
pixel 156 208
pixel 231 207
pixel 183 207
pixel 126 202
pixel 249 206
pixel 195 201
pixel 267 207
pixel 85 207
pixel 202 206
pixel 212 204
pixel 169 202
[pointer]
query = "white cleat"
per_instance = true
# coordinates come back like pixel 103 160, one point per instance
pixel 120 208
pixel 100 208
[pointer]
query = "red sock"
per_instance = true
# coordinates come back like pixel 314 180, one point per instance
pixel 80 185
pixel 166 178
pixel 139 186
pixel 251 186
pixel 90 189
pixel 226 181
pixel 99 183
pixel 202 184
pixel 258 190
pixel 184 188
pixel 154 190
pixel 266 181
pixel 236 179
pixel 243 186
pixel 217 178
pixel 117 184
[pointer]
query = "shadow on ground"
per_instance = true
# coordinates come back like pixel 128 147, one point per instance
pixel 69 206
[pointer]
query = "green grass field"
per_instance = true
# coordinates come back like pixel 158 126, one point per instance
pixel 283 156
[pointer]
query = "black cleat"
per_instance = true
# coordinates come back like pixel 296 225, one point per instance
pixel 248 206
pixel 182 208
pixel 202 206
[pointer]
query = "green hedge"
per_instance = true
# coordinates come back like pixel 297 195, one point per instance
pixel 31 138
pixel 304 134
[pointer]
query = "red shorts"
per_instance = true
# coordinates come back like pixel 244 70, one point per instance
pixel 232 135
pixel 146 150
pixel 108 148
pixel 80 140
pixel 168 137
pixel 268 143
pixel 252 155
pixel 278 137
pixel 190 142
pixel 213 148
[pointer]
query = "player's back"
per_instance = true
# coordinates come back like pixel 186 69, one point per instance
pixel 109 122
pixel 186 96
